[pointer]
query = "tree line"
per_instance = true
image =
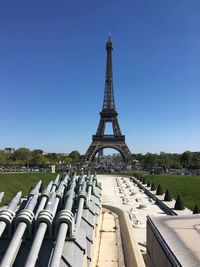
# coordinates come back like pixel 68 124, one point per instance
pixel 36 158
pixel 188 160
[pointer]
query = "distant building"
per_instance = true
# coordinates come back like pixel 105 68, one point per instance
pixel 100 153
pixel 9 150
pixel 61 154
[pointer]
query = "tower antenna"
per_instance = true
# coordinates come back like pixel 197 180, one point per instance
pixel 109 36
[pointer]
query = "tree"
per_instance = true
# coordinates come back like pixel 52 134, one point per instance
pixel 175 161
pixel 196 209
pixel 138 157
pixel 195 160
pixel 67 160
pixel 164 160
pixel 38 160
pixel 185 159
pixel 143 180
pixel 52 158
pixel 75 156
pixel 82 158
pixel 159 190
pixel 150 160
pixel 22 156
pixel 2 158
pixel 168 196
pixel 37 151
pixel 179 205
pixel 153 187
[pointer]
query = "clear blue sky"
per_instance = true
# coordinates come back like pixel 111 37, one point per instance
pixel 52 71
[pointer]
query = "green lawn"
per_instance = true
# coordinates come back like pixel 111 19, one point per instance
pixel 187 186
pixel 11 183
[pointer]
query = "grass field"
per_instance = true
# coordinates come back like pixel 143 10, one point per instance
pixel 11 183
pixel 187 186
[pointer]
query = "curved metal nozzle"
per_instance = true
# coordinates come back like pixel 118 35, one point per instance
pixel 15 201
pixel 56 181
pixel 1 196
pixel 38 185
pixel 49 186
pixel 32 202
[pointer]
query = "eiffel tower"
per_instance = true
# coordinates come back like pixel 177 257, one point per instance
pixel 108 115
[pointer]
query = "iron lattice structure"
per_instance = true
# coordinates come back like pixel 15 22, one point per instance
pixel 108 115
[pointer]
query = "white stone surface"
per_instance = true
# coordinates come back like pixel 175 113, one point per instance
pixel 122 193
pixel 181 233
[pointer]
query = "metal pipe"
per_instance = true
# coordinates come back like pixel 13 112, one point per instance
pixel 52 206
pixel 2 227
pixel 14 246
pixel 80 204
pixel 55 206
pixel 70 193
pixel 59 195
pixel 55 183
pixel 79 211
pixel 89 190
pixel 55 261
pixel 95 179
pixel 16 241
pixel 88 177
pixel 35 248
pixel 31 203
pixel 81 180
pixel 41 205
pixel 45 195
pixel 11 207
pixel 66 181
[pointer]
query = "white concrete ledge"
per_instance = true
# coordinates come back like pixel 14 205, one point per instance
pixel 132 254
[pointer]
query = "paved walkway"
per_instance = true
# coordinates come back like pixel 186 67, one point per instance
pixel 124 194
